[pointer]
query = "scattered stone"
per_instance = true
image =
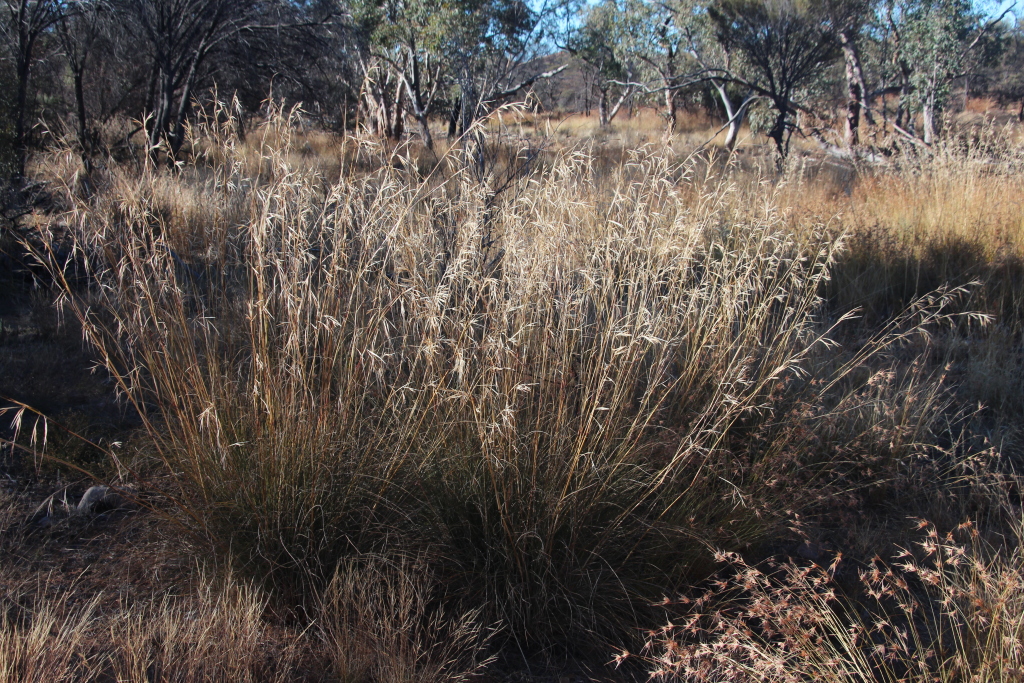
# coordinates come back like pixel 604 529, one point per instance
pixel 101 499
pixel 96 500
pixel 92 499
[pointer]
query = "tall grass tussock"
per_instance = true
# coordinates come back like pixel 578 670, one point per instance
pixel 529 396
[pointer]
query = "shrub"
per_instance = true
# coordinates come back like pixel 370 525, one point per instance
pixel 951 611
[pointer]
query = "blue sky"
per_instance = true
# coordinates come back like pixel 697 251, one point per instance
pixel 997 7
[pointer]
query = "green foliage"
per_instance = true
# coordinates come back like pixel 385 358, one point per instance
pixel 935 40
pixel 449 28
pixel 933 43
pixel 787 39
pixel 1009 76
pixel 596 41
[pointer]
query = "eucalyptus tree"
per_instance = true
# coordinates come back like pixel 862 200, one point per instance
pixel 80 32
pixel 712 63
pixel 935 42
pixel 637 47
pixel 599 43
pixel 513 56
pixel 1007 77
pixel 400 54
pixel 466 54
pixel 780 48
pixel 650 33
pixel 851 17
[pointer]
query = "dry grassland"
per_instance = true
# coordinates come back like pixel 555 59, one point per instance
pixel 419 417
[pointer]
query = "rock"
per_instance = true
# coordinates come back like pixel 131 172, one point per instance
pixel 41 512
pixel 91 499
pixel 115 501
pixel 96 500
pixel 101 499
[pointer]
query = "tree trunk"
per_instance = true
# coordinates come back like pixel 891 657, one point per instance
pixel 854 94
pixel 83 125
pixel 424 124
pixel 84 136
pixel 161 112
pixel 778 134
pixel 928 118
pixel 735 124
pixel 626 93
pixel 467 114
pixel 364 111
pixel 372 106
pixel 855 89
pixel 602 108
pixel 587 95
pixel 903 117
pixel 453 120
pixel 736 114
pixel 27 31
pixel 20 114
pixel 396 124
pixel 386 113
pixel 26 23
pixel 472 138
pixel 851 135
pixel 419 111
pixel 670 109
pixel 177 139
pixel 151 92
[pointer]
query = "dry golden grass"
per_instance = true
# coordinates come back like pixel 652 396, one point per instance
pixel 952 217
pixel 472 374
pixel 215 634
pixel 646 125
pixel 382 621
pixel 558 380
pixel 44 646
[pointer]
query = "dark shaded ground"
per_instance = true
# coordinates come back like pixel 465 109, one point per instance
pixel 45 364
pixel 125 556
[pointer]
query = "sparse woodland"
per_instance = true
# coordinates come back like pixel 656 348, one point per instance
pixel 498 341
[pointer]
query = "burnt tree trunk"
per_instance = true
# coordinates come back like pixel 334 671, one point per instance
pixel 21 113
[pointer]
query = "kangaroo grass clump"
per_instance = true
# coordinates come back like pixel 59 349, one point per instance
pixel 561 397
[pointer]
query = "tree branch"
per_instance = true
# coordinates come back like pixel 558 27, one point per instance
pixel 509 92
